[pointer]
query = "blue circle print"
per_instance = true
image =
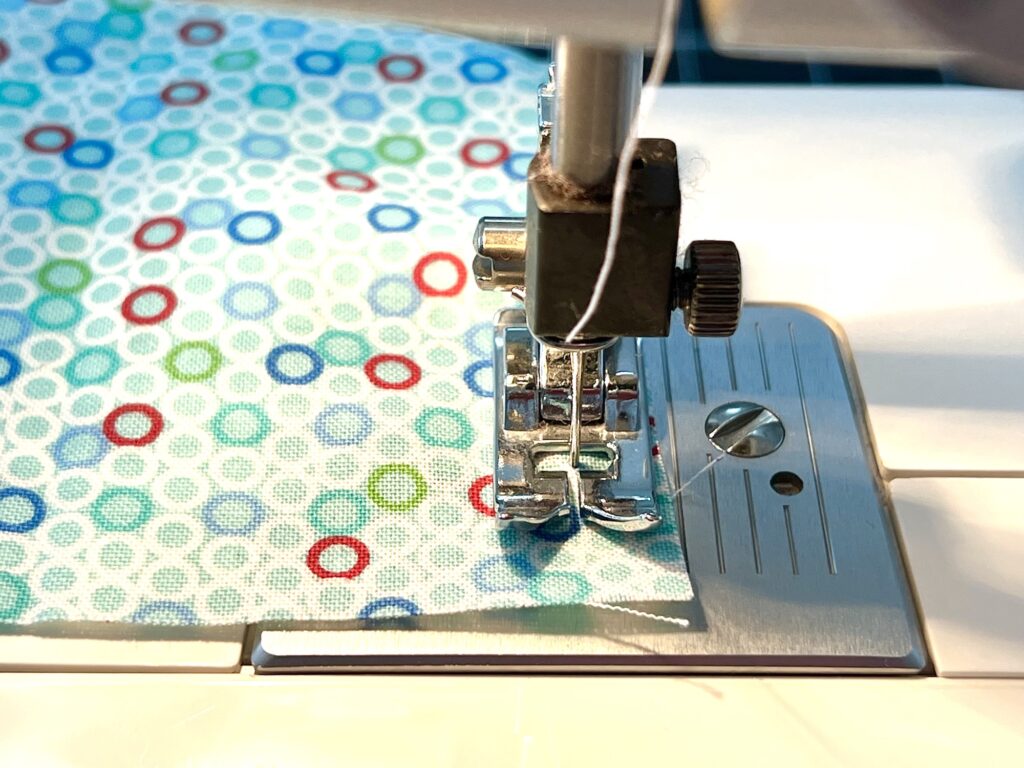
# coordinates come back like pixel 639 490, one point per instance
pixel 75 33
pixel 483 70
pixel 318 62
pixel 316 364
pixel 408 606
pixel 283 29
pixel 358 106
pixel 386 284
pixel 393 218
pixel 158 611
pixel 559 529
pixel 479 208
pixel 66 449
pixel 470 376
pixel 517 562
pixel 88 153
pixel 14 327
pixel 207 213
pixel 516 165
pixel 256 514
pixel 254 227
pixel 343 424
pixel 34 500
pixel 33 193
pixel 10 367
pixel 68 61
pixel 361 51
pixel 473 341
pixel 140 108
pixel 152 62
pixel 264 146
pixel 244 307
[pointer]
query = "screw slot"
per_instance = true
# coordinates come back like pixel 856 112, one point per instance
pixel 745 430
pixel 786 483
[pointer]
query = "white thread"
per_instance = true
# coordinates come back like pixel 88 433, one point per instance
pixel 659 65
pixel 641 614
pixel 697 474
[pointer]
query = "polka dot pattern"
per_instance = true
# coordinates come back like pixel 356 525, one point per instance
pixel 244 374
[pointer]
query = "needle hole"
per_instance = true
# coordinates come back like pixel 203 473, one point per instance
pixel 787 483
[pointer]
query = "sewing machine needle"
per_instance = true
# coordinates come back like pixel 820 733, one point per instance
pixel 574 490
pixel 576 418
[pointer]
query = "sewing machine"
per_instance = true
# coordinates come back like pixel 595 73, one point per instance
pixel 755 415
pixel 800 491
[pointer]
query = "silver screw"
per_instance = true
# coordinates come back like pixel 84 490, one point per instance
pixel 743 429
pixel 500 244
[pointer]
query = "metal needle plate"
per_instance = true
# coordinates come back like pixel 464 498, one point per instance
pixel 792 555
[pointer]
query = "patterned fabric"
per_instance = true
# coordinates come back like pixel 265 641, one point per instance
pixel 242 372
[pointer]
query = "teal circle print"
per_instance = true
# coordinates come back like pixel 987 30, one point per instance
pixel 18 94
pixel 173 144
pixel 442 110
pixel 343 348
pixel 240 424
pixel 559 587
pixel 80 210
pixel 352 159
pixel 15 596
pixel 121 509
pixel 338 512
pixel 272 96
pixel 130 6
pixel 444 428
pixel 92 365
pixel 55 313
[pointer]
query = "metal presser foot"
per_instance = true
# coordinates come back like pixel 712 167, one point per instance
pixel 535 478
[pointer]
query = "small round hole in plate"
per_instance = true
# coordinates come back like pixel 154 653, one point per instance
pixel 787 483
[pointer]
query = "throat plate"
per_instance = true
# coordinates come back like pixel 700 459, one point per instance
pixel 791 549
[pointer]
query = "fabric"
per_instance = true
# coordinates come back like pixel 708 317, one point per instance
pixel 243 374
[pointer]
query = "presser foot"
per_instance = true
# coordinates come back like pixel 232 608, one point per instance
pixel 579 505
pixel 534 480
